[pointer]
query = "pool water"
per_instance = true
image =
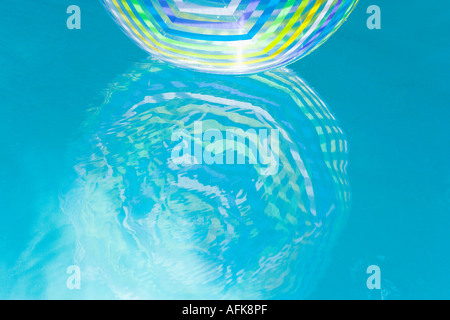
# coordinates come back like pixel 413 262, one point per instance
pixel 362 177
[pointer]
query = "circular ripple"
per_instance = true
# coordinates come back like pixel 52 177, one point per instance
pixel 229 36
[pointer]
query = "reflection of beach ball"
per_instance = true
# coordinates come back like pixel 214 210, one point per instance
pixel 229 36
pixel 150 223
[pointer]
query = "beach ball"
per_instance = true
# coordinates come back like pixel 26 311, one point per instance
pixel 229 36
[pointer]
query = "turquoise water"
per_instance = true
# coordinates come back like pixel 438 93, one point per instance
pixel 85 181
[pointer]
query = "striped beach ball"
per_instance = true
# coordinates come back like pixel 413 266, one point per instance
pixel 229 36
